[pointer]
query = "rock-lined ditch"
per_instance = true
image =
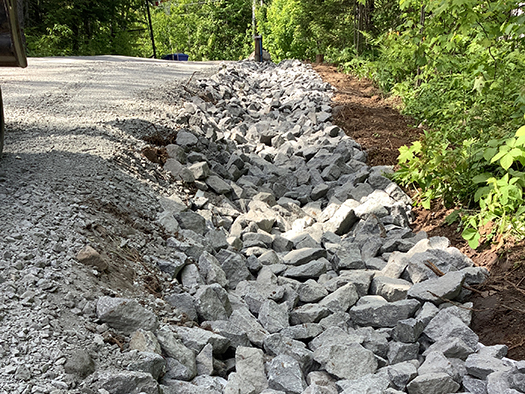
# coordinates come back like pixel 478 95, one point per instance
pixel 283 264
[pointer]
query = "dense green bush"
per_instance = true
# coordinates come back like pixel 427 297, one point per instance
pixel 459 71
pixel 281 25
pixel 81 27
pixel 208 30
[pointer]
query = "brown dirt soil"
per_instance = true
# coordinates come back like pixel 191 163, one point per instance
pixel 367 117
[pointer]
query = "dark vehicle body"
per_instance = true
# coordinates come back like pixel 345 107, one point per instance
pixel 12 52
pixel 181 57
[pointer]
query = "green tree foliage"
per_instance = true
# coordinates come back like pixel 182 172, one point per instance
pixel 82 27
pixel 302 29
pixel 285 33
pixel 336 28
pixel 206 30
pixel 458 64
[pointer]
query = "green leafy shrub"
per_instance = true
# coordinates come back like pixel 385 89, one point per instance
pixel 459 72
pixel 500 193
pixel 205 30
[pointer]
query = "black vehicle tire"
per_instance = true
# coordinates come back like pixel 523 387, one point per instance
pixel 1 124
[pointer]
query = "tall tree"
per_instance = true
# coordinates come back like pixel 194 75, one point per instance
pixel 205 29
pixel 82 27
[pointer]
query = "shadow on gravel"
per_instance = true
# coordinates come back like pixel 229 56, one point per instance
pixel 153 133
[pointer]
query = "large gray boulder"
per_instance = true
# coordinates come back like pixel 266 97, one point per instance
pixel 343 219
pixel 346 361
pixel 348 257
pixel 371 383
pixel 391 289
pixel 181 362
pixel 128 382
pixel 273 316
pixel 285 373
pixel 249 364
pixel 438 290
pixel 276 344
pixel 125 315
pixel 446 326
pixel 212 303
pixel 210 270
pixel 197 338
pixel 383 314
pixel 235 334
pixel 341 299
pixel 151 363
pixel 303 256
pixel 244 319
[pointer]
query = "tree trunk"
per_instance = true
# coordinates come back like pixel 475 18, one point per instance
pixel 422 23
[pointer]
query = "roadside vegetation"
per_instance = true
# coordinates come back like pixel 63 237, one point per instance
pixel 456 65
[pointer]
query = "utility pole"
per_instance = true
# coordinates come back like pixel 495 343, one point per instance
pixel 256 38
pixel 254 26
pixel 151 31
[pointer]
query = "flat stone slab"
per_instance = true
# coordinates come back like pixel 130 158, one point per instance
pixel 218 185
pixel 348 361
pixel 383 314
pixel 391 289
pixel 310 270
pixel 438 290
pixel 341 299
pixel 435 383
pixel 303 256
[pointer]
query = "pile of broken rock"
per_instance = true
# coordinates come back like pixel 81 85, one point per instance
pixel 294 268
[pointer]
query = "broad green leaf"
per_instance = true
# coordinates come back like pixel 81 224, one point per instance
pixel 520 141
pixel 416 146
pixel 481 178
pixel 489 153
pixel 504 195
pixel 506 161
pixel 472 236
pixel 492 181
pixel 453 217
pixel 516 152
pixel 405 154
pixel 520 132
pixel 502 152
pixel 481 192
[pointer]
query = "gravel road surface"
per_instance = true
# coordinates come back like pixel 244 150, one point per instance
pixel 71 130
pixel 53 97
